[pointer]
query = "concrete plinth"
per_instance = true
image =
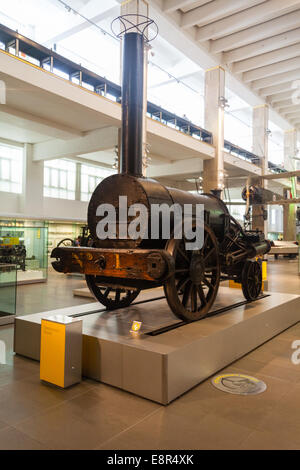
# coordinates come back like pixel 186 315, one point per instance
pixel 163 367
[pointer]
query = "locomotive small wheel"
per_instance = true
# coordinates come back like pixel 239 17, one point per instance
pixel 251 280
pixel 111 298
pixel 192 289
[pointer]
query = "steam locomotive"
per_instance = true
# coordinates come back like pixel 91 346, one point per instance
pixel 118 268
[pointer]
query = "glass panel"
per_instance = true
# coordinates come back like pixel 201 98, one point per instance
pixel 91 176
pixel 11 168
pixel 26 247
pixel 62 180
pixel 5 169
pixel 8 289
pixel 54 178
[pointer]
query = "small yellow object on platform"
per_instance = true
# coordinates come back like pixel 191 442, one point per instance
pixel 136 326
pixel 61 351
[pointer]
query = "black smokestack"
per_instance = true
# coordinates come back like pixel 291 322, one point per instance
pixel 132 104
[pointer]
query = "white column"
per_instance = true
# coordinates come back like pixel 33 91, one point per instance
pixel 213 170
pixel 289 210
pixel 260 148
pixel 290 149
pixel 33 185
pixel 78 182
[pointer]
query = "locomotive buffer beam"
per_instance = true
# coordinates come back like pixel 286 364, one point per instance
pixel 130 264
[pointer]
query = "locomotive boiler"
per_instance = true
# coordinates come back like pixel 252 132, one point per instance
pixel 119 267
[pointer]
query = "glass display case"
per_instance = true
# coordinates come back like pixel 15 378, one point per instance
pixel 25 246
pixel 8 292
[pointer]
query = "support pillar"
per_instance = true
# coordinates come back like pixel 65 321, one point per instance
pixel 140 7
pixel 33 184
pixel 78 182
pixel 260 148
pixel 289 210
pixel 213 170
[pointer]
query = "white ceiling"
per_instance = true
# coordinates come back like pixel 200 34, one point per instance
pixel 257 41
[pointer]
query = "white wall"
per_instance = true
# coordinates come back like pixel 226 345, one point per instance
pixel 32 204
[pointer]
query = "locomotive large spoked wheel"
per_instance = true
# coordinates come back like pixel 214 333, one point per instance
pixel 192 289
pixel 108 296
pixel 251 280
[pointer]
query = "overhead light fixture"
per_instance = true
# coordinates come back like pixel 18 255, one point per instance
pixel 223 102
pixel 269 132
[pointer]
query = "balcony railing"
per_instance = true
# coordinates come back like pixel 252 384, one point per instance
pixel 47 59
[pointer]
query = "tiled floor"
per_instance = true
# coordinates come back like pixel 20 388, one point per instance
pixel 56 293
pixel 93 415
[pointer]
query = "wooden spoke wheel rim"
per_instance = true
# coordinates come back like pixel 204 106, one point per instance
pixel 110 297
pixel 251 280
pixel 192 289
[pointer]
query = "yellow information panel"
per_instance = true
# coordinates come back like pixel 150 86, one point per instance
pixel 10 241
pixel 52 366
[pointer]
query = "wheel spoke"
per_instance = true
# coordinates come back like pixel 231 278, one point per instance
pixel 186 293
pixel 107 291
pixel 205 241
pixel 182 283
pixel 183 254
pixel 184 270
pixel 209 253
pixel 201 294
pixel 207 283
pixel 118 295
pixel 194 299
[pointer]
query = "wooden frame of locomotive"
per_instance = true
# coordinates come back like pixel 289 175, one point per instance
pixel 118 269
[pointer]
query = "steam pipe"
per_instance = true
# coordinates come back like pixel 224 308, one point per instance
pixel 132 104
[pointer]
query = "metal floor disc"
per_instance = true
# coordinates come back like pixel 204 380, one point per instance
pixel 239 384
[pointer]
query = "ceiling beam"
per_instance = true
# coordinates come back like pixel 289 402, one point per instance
pixel 114 11
pixel 284 103
pixel 180 167
pixel 256 33
pixel 98 140
pixel 245 19
pixel 292 114
pixel 37 124
pixel 286 95
pixel 267 59
pixel 269 70
pixel 261 48
pixel 172 5
pixel 276 79
pixel 213 11
pixel 275 89
pixel 289 108
pixel 277 176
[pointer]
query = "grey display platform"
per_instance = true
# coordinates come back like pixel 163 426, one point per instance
pixel 163 367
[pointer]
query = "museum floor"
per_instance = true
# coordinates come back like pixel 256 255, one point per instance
pixel 95 416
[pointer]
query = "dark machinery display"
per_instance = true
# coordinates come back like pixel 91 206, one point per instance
pixel 13 254
pixel 118 268
pixel 83 240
